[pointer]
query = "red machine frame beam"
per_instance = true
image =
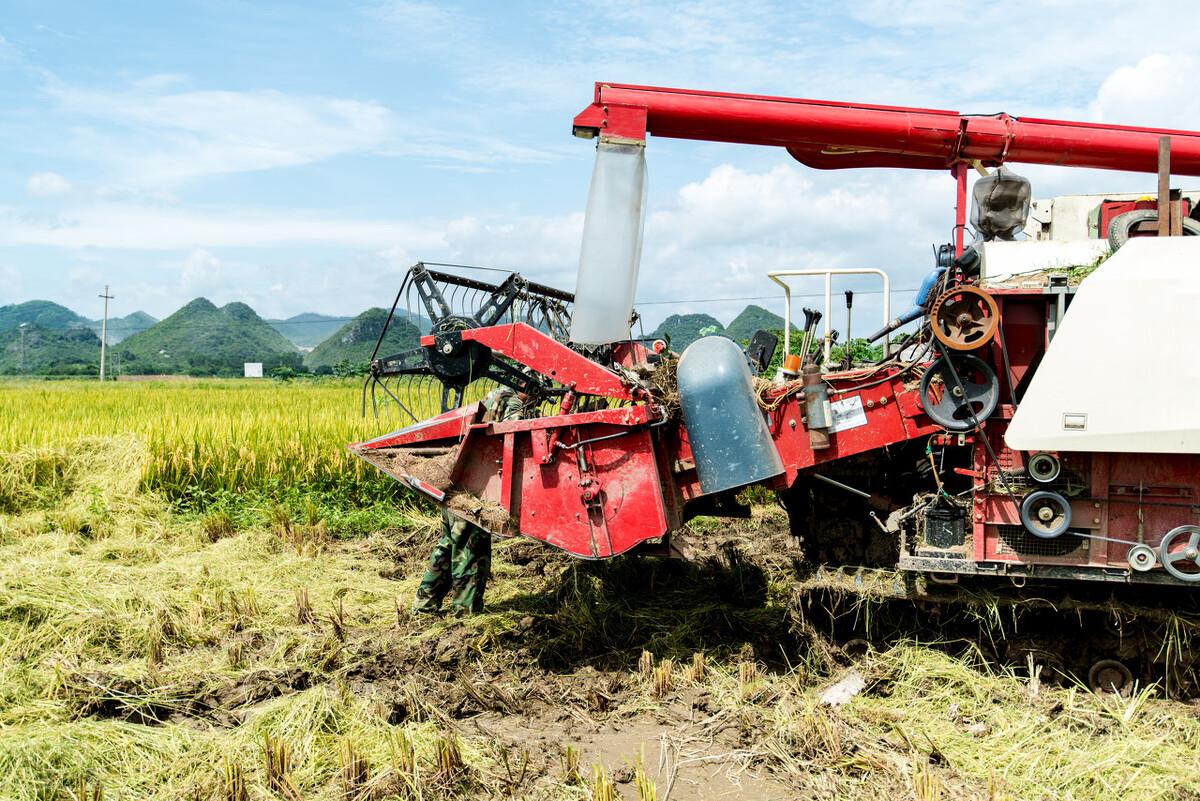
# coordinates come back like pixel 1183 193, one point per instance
pixel 830 135
pixel 525 344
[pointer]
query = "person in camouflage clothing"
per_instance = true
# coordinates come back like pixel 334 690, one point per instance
pixel 461 562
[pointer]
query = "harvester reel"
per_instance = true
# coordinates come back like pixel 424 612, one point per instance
pixel 1184 563
pixel 1045 514
pixel 427 380
pixel 959 394
pixel 964 318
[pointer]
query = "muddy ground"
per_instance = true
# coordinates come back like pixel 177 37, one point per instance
pixel 171 659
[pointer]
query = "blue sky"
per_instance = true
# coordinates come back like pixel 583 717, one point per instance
pixel 300 156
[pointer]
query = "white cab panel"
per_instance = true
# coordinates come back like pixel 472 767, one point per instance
pixel 1123 372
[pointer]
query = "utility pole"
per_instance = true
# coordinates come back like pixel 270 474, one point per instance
pixel 22 327
pixel 104 330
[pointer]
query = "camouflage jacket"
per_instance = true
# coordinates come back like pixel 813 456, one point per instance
pixel 502 403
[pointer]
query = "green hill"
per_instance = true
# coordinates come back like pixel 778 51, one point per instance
pixel 751 319
pixel 43 313
pixel 309 329
pixel 120 328
pixel 684 329
pixel 201 339
pixel 50 315
pixel 49 351
pixel 355 341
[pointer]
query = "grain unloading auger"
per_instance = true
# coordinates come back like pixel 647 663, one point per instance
pixel 1002 438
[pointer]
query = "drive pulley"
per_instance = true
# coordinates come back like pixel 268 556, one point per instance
pixel 1179 553
pixel 964 318
pixel 1045 514
pixel 959 392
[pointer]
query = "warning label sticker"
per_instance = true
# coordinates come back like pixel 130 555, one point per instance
pixel 847 413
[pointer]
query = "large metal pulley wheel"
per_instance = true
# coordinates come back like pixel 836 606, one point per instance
pixel 1179 553
pixel 959 394
pixel 1045 514
pixel 964 318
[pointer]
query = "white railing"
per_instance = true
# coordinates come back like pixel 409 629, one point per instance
pixel 777 275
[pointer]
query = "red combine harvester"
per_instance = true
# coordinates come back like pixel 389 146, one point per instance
pixel 1004 437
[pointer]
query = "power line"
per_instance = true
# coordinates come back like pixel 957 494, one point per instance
pixel 639 304
pixel 765 297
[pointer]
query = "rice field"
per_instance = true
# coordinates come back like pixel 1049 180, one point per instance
pixel 210 436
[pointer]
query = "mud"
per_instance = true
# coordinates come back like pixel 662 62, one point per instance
pixel 398 462
pixel 436 471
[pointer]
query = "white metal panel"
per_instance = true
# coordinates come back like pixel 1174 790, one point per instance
pixel 1122 374
pixel 1003 260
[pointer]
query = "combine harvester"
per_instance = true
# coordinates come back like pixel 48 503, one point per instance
pixel 1033 432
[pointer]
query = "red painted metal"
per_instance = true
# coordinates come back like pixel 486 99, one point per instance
pixel 892 412
pixel 529 346
pixel 448 425
pixel 1114 208
pixel 831 135
pixel 599 483
pixel 959 171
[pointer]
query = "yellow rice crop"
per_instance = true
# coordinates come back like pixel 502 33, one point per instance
pixel 209 435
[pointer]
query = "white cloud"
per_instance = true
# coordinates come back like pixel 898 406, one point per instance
pixel 719 237
pixel 133 227
pixel 198 271
pixel 416 24
pixel 910 13
pixel 545 249
pixel 157 136
pixel 47 184
pixel 1159 90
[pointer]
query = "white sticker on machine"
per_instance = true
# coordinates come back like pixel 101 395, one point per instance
pixel 847 413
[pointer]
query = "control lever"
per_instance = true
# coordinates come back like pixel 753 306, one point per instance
pixel 811 318
pixel 847 358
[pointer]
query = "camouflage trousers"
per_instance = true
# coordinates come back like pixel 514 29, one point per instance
pixel 460 565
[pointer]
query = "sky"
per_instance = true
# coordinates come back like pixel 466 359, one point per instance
pixel 300 156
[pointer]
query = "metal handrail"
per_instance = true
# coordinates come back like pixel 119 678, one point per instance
pixel 775 276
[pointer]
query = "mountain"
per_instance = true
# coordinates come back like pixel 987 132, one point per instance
pixel 121 327
pixel 684 329
pixel 200 339
pixel 43 313
pixel 754 318
pixel 49 351
pixel 50 315
pixel 309 329
pixel 355 341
